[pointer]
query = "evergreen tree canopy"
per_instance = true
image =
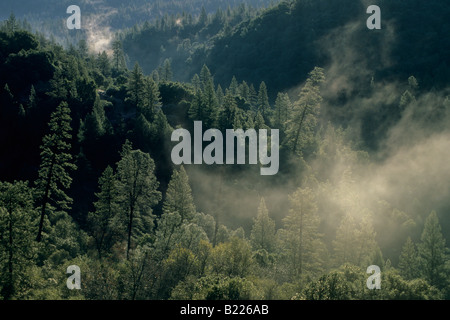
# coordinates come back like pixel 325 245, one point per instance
pixel 56 162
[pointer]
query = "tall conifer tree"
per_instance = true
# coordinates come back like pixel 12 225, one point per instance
pixel 56 162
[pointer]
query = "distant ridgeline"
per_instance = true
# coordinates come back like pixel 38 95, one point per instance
pixel 107 17
pixel 282 44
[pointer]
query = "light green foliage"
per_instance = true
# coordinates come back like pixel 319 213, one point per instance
pixel 232 258
pixel 300 239
pixel 167 73
pixel 205 105
pixel 394 287
pixel 229 113
pixel 215 288
pixel 332 286
pixel 263 105
pixel 355 241
pixel 300 127
pixel 152 98
pixel 263 234
pixel 176 226
pixel 137 191
pixel 282 112
pixel 408 261
pixel 179 196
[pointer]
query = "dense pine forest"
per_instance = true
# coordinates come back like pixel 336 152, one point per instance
pixel 87 178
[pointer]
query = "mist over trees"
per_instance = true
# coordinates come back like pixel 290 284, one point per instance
pixel 86 176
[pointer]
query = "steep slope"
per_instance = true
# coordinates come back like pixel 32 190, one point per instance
pixel 285 42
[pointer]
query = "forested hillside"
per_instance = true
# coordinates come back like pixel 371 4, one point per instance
pixel 103 18
pixel 282 44
pixel 87 178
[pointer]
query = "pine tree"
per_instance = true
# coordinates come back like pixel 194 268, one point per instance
pixel 406 99
pixel 55 164
pixel 259 122
pixel 160 129
pixel 196 108
pixel 16 239
pixel 167 73
pixel 263 101
pixel 355 241
pixel 83 49
pixel 179 196
pixel 408 261
pixel 220 95
pixel 61 86
pixel 234 86
pixel 205 77
pixel 32 99
pixel 305 111
pixel 413 84
pixel 103 64
pixel 105 224
pixel 155 76
pixel 95 124
pixel 263 234
pixel 344 242
pixel 282 111
pixel 137 190
pixel 136 87
pixel 244 91
pixel 152 99
pixel 210 105
pixel 253 97
pixel 300 236
pixel 118 56
pixel 203 18
pixel 205 106
pixel 432 252
pixel 227 113
pixel 367 247
pixel 177 227
pixel 11 24
pixel 196 82
pixel 8 95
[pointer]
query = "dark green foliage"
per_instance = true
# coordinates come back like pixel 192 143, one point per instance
pixel 17 247
pixel 153 99
pixel 229 114
pixel 205 106
pixel 105 224
pixel 141 228
pixel 56 162
pixel 263 106
pixel 136 87
pixel 118 61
